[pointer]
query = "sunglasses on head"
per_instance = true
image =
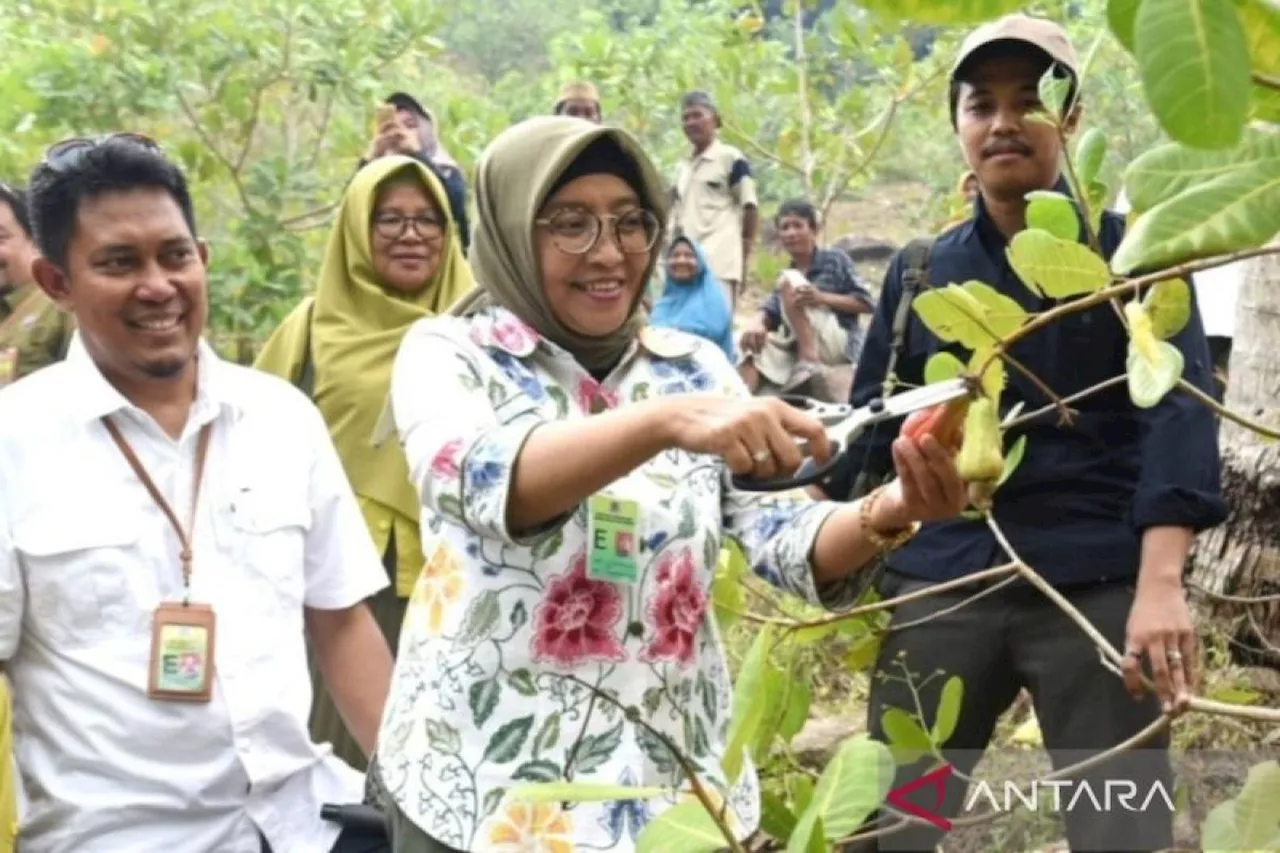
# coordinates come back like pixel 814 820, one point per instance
pixel 62 154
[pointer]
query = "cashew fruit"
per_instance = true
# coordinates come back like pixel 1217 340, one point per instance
pixel 981 459
pixel 945 422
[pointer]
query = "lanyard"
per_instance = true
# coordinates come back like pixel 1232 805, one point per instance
pixel 184 538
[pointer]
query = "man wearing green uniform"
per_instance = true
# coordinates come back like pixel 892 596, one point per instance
pixel 33 332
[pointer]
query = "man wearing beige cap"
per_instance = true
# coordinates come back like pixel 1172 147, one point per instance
pixel 1103 508
pixel 579 99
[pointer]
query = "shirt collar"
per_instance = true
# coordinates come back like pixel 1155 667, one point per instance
pixel 498 328
pixel 708 152
pixel 95 397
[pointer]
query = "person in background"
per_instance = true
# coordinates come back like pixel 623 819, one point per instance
pixel 574 501
pixel 692 300
pixel 811 317
pixel 412 131
pixel 1104 508
pixel 579 99
pixel 393 257
pixel 33 332
pixel 172 527
pixel 713 199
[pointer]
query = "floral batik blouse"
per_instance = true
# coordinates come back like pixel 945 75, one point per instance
pixel 482 697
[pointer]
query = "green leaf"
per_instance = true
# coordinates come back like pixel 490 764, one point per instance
pixel 1002 315
pixel 549 546
pixel 521 681
pixel 776 818
pixel 1219 833
pixel 548 734
pixel 1237 210
pixel 686 827
pixel 1012 459
pixel 508 740
pixel 1168 304
pixel 799 697
pixel 954 315
pixel 595 750
pixel 480 621
pixel 1091 154
pixel 1056 268
pixel 1194 62
pixel 807 837
pixel 852 786
pixel 443 737
pixel 538 770
pixel 656 751
pixel 582 792
pixel 1169 170
pixel 942 366
pixel 1257 815
pixel 1261 20
pixel 1096 197
pixel 773 692
pixel 1053 212
pixel 726 586
pixel 906 737
pixel 941 11
pixel 948 713
pixel 1152 376
pixel 1121 17
pixel 1053 91
pixel 863 652
pixel 748 710
pixel 483 697
pixel 1237 696
pixel 802 786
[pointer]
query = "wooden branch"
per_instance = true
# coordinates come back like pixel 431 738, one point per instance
pixel 1044 410
pixel 1124 288
pixel 806 117
pixel 1266 80
pixel 217 152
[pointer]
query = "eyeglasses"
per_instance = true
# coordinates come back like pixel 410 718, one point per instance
pixel 576 231
pixel 391 226
pixel 62 154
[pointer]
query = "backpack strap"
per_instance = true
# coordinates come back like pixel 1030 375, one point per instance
pixel 307 376
pixel 915 277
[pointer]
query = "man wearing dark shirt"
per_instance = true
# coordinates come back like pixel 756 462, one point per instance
pixel 1104 509
pixel 808 322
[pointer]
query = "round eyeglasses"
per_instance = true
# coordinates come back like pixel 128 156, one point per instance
pixel 576 231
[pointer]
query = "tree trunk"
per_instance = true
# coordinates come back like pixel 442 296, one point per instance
pixel 1242 556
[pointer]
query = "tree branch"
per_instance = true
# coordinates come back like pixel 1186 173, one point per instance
pixel 802 86
pixel 1088 392
pixel 217 152
pixel 1187 387
pixel 1124 288
pixel 1266 80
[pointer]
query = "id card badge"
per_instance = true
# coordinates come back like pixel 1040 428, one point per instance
pixel 182 643
pixel 8 365
pixel 613 539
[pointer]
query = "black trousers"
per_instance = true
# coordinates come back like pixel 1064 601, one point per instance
pixel 353 841
pixel 1004 641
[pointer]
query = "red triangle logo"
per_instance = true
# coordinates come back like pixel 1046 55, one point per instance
pixel 936 779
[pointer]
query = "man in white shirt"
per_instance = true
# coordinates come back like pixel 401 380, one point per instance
pixel 170 524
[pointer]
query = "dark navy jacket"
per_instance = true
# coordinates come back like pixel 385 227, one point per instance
pixel 1077 504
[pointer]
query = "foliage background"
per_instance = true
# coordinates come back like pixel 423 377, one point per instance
pixel 269 103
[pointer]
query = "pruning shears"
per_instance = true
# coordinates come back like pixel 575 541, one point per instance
pixel 843 425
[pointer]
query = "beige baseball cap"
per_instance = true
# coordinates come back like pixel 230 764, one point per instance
pixel 1037 32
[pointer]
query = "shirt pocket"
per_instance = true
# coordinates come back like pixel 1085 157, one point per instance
pixel 264 526
pixel 86 577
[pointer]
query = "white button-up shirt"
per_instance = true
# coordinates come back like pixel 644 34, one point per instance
pixel 85 558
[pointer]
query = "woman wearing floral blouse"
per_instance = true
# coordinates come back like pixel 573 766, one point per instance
pixel 573 466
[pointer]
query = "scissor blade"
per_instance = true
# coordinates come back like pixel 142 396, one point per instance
pixel 924 397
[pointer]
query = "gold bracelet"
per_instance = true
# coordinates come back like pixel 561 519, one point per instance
pixel 880 541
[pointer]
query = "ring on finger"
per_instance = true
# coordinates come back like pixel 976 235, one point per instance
pixel 1175 656
pixel 761 455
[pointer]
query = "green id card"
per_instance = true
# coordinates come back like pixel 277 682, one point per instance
pixel 613 539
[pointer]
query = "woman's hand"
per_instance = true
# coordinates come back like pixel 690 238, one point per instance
pixel 928 488
pixel 756 436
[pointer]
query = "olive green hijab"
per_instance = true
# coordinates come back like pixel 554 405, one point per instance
pixel 512 181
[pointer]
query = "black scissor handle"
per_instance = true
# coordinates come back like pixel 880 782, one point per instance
pixel 808 473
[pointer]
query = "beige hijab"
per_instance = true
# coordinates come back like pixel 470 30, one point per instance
pixel 512 179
